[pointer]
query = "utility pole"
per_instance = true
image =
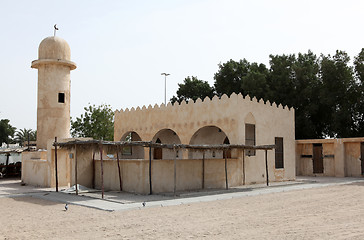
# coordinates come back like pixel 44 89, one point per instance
pixel 165 87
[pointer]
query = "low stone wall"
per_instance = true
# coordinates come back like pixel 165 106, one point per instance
pixel 135 174
pixel 35 169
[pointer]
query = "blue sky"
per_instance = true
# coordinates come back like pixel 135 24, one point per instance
pixel 122 47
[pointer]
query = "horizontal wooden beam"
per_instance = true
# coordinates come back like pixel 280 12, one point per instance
pixel 161 145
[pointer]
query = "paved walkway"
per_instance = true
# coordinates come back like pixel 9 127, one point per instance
pixel 117 201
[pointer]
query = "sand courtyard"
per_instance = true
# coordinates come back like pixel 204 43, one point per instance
pixel 315 208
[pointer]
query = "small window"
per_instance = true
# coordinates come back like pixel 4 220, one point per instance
pixel 250 138
pixel 279 152
pixel 61 97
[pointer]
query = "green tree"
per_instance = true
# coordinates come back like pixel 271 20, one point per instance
pixel 191 89
pixel 359 67
pixel 359 104
pixel 308 112
pixel 241 77
pixel 6 131
pixel 21 135
pixel 294 81
pixel 326 92
pixel 97 122
pixel 338 95
pixel 281 79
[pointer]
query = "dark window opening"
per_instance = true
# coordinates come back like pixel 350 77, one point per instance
pixel 279 162
pixel 250 138
pixel 61 97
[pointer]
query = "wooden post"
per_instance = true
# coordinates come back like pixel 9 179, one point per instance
pixel 93 169
pixel 266 166
pixel 150 170
pixel 226 176
pixel 102 173
pixel 243 167
pixel 175 174
pixel 55 162
pixel 76 170
pixel 7 163
pixel 203 170
pixel 120 182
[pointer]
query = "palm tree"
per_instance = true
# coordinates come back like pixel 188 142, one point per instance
pixel 22 135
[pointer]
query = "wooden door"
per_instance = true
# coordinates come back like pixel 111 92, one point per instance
pixel 362 157
pixel 318 161
pixel 158 152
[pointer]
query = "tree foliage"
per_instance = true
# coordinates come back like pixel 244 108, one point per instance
pixel 97 122
pixel 22 135
pixel 6 131
pixel 327 92
pixel 191 89
pixel 241 77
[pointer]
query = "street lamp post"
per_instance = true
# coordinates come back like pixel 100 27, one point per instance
pixel 165 87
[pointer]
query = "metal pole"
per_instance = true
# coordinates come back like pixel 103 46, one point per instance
pixel 55 161
pixel 150 170
pixel 266 167
pixel 165 87
pixel 117 156
pixel 102 173
pixel 76 169
pixel 226 176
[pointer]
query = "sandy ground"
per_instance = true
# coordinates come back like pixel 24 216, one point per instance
pixel 335 212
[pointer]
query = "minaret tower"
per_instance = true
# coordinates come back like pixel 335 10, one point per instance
pixel 53 112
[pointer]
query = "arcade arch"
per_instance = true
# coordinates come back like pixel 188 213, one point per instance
pixel 132 152
pixel 211 135
pixel 166 136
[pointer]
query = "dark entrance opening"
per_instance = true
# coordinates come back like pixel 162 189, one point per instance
pixel 318 160
pixel 227 153
pixel 158 151
pixel 362 157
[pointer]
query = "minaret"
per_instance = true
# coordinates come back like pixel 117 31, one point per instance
pixel 53 111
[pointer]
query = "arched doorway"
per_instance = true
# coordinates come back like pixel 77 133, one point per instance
pixel 132 152
pixel 166 136
pixel 210 135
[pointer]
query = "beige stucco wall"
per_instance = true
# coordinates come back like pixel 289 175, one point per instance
pixel 352 159
pixel 135 174
pixel 36 168
pixel 341 157
pixel 228 114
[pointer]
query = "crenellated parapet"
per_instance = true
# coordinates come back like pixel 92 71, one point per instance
pixel 224 99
